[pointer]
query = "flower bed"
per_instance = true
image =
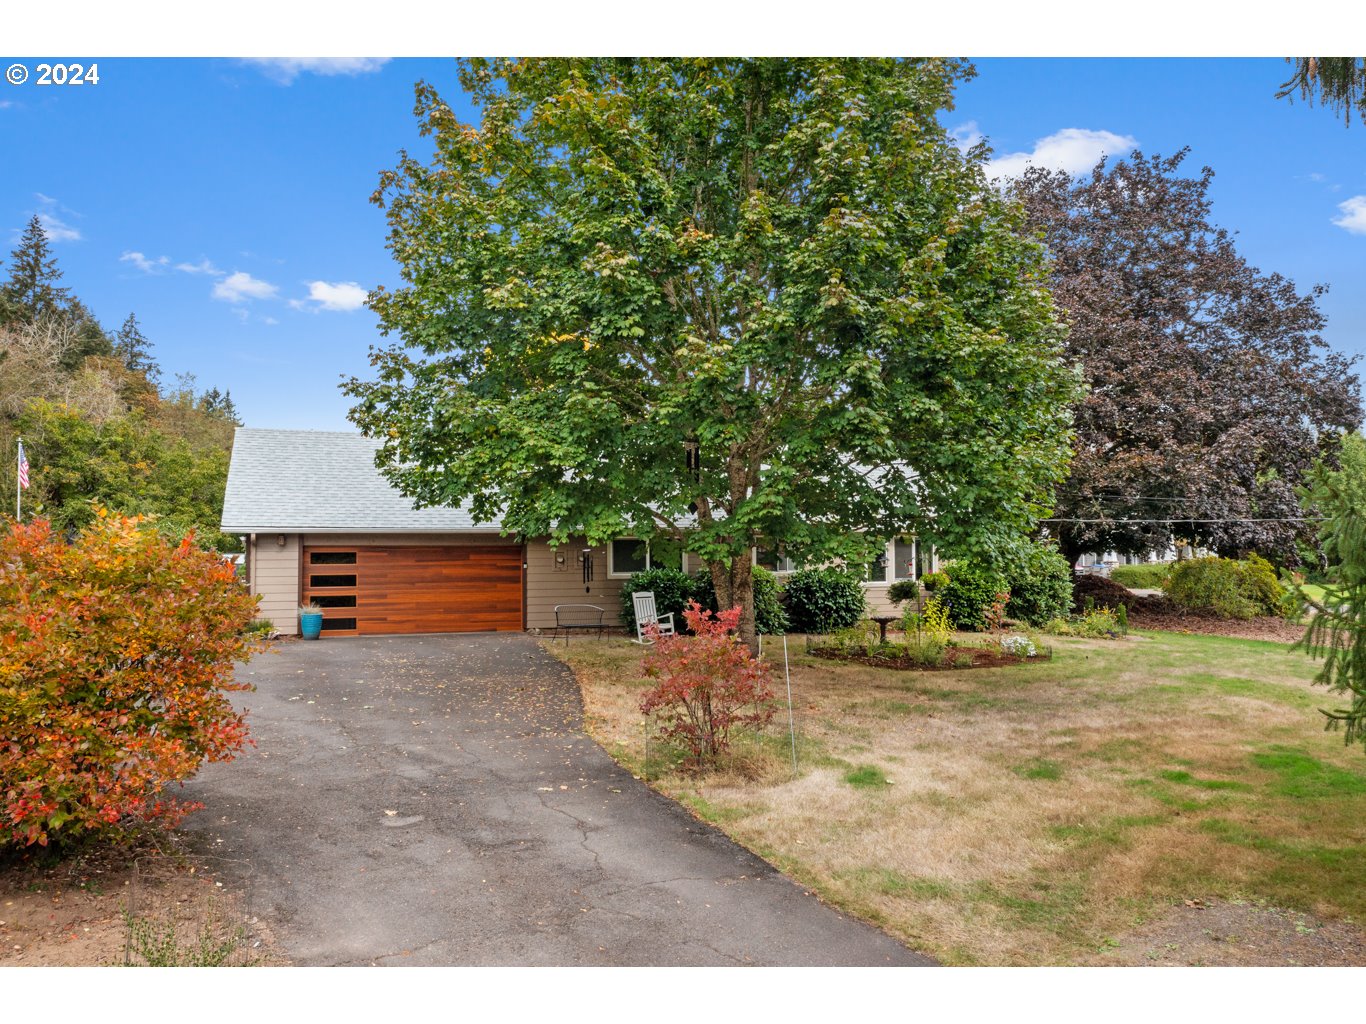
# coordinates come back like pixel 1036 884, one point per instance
pixel 956 656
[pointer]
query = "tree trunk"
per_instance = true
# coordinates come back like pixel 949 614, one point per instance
pixel 734 583
pixel 1070 548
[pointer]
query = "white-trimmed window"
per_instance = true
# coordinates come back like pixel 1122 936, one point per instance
pixel 627 555
pixel 773 561
pixel 898 560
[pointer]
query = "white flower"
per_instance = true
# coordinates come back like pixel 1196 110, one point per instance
pixel 1019 646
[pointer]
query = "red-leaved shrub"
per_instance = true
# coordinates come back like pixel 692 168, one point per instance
pixel 708 684
pixel 116 655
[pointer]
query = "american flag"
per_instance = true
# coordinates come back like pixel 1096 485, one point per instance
pixel 23 467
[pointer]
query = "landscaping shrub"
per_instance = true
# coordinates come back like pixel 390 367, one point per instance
pixel 1226 586
pixel 708 684
pixel 928 633
pixel 860 638
pixel 1098 622
pixel 672 589
pixel 1040 585
pixel 1020 646
pixel 970 593
pixel 116 657
pixel 932 581
pixel 1098 590
pixel 823 600
pixel 769 615
pixel 1142 577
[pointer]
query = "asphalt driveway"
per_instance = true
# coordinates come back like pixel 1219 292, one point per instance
pixel 434 800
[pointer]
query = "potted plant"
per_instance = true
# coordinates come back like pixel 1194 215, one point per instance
pixel 310 621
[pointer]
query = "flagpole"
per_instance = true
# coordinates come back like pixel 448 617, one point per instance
pixel 18 489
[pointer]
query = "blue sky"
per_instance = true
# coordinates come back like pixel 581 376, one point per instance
pixel 226 202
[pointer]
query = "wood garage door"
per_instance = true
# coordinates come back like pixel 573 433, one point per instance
pixel 447 589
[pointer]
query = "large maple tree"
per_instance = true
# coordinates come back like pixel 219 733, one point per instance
pixel 716 301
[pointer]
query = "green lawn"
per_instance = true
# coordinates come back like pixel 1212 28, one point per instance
pixel 1031 814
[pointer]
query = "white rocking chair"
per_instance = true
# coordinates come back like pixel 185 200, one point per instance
pixel 648 615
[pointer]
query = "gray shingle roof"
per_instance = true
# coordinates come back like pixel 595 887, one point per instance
pixel 295 481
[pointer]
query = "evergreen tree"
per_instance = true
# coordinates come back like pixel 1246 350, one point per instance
pixel 32 291
pixel 135 351
pixel 1339 83
pixel 90 338
pixel 1337 627
pixel 229 410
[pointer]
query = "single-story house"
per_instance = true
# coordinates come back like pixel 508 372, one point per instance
pixel 323 526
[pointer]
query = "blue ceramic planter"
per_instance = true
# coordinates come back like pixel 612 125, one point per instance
pixel 311 624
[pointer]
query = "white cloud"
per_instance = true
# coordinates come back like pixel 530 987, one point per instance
pixel 1074 150
pixel 57 230
pixel 965 136
pixel 241 286
pixel 1353 217
pixel 270 320
pixel 202 267
pixel 285 70
pixel 344 296
pixel 147 266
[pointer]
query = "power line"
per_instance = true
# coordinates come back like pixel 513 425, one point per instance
pixel 1178 520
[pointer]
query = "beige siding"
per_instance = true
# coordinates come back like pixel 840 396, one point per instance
pixel 875 599
pixel 550 582
pixel 275 576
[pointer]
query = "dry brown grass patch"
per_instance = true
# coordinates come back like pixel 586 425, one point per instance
pixel 1034 813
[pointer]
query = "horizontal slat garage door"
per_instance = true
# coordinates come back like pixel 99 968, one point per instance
pixel 446 589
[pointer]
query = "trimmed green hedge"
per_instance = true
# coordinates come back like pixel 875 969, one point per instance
pixel 823 600
pixel 1226 586
pixel 1040 586
pixel 970 592
pixel 1142 577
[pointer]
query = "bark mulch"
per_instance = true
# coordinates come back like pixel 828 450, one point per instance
pixel 1161 613
pixel 982 657
pixel 1149 612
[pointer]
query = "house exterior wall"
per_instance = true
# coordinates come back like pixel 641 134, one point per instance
pixel 875 597
pixel 275 577
pixel 550 582
pixel 275 574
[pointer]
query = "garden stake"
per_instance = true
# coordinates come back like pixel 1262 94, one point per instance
pixel 791 727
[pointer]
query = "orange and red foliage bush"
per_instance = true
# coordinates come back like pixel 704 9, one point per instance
pixel 116 656
pixel 708 684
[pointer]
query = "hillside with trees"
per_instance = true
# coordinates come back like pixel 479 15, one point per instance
pixel 99 425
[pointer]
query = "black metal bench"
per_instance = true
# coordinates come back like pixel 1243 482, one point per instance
pixel 569 617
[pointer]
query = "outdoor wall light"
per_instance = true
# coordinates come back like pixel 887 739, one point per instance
pixel 281 540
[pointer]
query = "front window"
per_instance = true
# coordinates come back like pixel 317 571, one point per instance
pixel 876 570
pixel 899 559
pixel 630 555
pixel 904 559
pixel 772 560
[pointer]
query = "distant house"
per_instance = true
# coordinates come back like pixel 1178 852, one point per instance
pixel 323 526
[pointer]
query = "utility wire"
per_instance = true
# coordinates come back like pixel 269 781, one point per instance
pixel 1178 520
